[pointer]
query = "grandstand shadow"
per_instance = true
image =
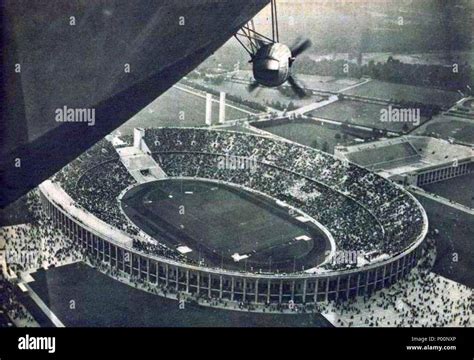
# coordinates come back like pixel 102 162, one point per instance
pixel 104 302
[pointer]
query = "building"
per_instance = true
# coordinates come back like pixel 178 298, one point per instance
pixel 411 160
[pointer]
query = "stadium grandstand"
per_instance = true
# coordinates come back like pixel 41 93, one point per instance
pixel 337 206
pixel 411 160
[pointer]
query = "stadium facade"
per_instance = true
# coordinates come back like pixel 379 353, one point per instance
pixel 107 245
pixel 412 160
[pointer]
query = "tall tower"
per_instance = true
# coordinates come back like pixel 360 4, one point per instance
pixel 222 108
pixel 208 109
pixel 138 134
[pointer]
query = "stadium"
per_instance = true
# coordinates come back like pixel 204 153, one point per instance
pixel 235 216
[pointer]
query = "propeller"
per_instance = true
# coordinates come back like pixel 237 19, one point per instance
pixel 300 47
pixel 252 86
pixel 299 91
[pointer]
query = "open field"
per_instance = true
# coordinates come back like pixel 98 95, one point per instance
pixel 218 221
pixel 459 189
pixel 424 58
pixel 405 93
pixel 260 95
pixel 102 301
pixel 325 83
pixel 177 108
pixel 361 113
pixel 312 82
pixel 447 127
pixel 309 133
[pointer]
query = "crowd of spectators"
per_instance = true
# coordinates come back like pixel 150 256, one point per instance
pixel 423 299
pixel 39 243
pixel 94 181
pixel 362 211
pixel 11 307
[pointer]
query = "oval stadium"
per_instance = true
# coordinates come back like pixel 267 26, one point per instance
pixel 235 216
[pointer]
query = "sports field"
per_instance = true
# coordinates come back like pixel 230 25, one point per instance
pixel 326 83
pixel 446 127
pixel 309 133
pixel 405 93
pixel 361 113
pixel 105 302
pixel 217 221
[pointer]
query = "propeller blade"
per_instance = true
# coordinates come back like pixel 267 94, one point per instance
pixel 297 50
pixel 299 91
pixel 296 42
pixel 251 87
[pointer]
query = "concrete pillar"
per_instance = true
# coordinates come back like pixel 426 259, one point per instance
pixel 157 272
pixel 220 287
pixel 304 290
pixel 358 285
pixel 139 266
pixel 147 270
pixel 209 282
pixel 316 287
pixel 376 278
pixel 269 290
pixel 138 134
pixel 256 291
pixel 280 298
pixel 177 278
pixel 187 281
pixel 367 281
pixel 348 286
pixel 327 288
pixel 123 259
pixel 403 265
pixel 208 109
pixel 383 275
pixel 222 107
pixel 232 289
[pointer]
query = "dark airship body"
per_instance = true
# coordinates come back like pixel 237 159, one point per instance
pixel 271 64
